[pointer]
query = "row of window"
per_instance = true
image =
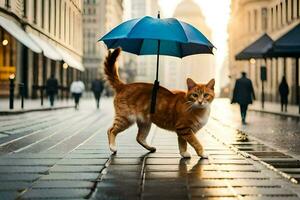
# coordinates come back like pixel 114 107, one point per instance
pixel 274 17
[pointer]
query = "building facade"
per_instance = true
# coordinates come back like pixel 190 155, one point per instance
pixel 145 66
pixel 40 38
pixel 100 16
pixel 198 67
pixel 250 19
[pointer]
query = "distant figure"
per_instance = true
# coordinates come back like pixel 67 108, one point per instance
pixel 77 88
pixel 52 88
pixel 242 94
pixel 284 93
pixel 97 88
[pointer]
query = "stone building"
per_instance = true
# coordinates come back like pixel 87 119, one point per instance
pixel 100 16
pixel 40 38
pixel 198 67
pixel 250 19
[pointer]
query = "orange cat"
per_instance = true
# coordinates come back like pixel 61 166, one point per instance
pixel 182 112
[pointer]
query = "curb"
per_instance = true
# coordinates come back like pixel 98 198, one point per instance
pixel 32 110
pixel 275 113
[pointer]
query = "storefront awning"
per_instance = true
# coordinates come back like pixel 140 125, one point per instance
pixel 257 49
pixel 48 50
pixel 70 60
pixel 287 45
pixel 17 32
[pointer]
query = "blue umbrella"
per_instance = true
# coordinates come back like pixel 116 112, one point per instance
pixel 155 36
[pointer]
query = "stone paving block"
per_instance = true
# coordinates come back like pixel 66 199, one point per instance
pixel 18 177
pixel 63 184
pixel 174 161
pixel 87 156
pixel 200 183
pixel 262 191
pixel 234 167
pixel 23 169
pixel 77 168
pixel 126 161
pixel 34 156
pixel 125 168
pixel 134 183
pixel 230 162
pixel 271 198
pixel 211 192
pixel 71 176
pixel 8 195
pixel 56 193
pixel 82 162
pixel 113 193
pixel 14 185
pixel 165 175
pixel 254 183
pixel 214 198
pixel 27 162
pixel 122 175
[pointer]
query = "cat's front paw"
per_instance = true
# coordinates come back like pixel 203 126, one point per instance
pixel 113 149
pixel 204 156
pixel 186 154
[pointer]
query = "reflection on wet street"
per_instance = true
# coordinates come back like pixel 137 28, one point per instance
pixel 279 132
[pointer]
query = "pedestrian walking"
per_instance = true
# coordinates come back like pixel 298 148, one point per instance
pixel 284 93
pixel 52 88
pixel 243 94
pixel 77 88
pixel 97 88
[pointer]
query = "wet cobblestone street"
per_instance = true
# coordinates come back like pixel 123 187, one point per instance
pixel 64 154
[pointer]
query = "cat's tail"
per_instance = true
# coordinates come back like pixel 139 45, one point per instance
pixel 111 69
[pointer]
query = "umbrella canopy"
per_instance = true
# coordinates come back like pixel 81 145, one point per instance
pixel 140 36
pixel 257 49
pixel 155 36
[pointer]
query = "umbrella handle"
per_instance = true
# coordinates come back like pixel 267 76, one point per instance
pixel 154 94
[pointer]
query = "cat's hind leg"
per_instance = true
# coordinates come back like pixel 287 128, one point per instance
pixel 143 131
pixel 120 124
pixel 182 144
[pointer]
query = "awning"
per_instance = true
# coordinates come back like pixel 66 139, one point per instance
pixel 257 49
pixel 70 60
pixel 287 45
pixel 19 34
pixel 48 50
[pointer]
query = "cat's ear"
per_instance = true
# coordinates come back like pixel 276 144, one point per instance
pixel 211 84
pixel 190 83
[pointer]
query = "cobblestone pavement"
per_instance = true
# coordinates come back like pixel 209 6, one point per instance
pixel 64 155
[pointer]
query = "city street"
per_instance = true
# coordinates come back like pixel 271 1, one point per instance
pixel 63 154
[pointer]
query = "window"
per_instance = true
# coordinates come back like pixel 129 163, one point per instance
pixel 281 14
pixel 54 30
pixel 49 17
pixel 272 18
pixel 24 8
pixel 34 11
pixel 59 21
pixel 255 20
pixel 65 21
pixel 292 9
pixel 298 8
pixel 276 17
pixel 264 19
pixel 249 21
pixel 287 10
pixel 7 3
pixel 42 14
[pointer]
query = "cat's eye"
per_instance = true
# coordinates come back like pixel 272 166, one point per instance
pixel 195 95
pixel 205 95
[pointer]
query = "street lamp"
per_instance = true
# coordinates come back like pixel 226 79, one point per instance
pixel 5 42
pixel 65 66
pixel 252 61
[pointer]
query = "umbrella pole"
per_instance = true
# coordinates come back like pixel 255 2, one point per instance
pixel 156 83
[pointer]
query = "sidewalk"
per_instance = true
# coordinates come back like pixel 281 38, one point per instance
pixel 32 105
pixel 275 108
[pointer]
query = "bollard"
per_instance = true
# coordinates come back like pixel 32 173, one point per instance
pixel 42 95
pixel 22 94
pixel 11 91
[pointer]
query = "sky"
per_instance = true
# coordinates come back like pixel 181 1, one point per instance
pixel 216 14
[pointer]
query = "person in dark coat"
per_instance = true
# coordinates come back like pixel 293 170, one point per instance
pixel 243 94
pixel 284 93
pixel 52 88
pixel 97 88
